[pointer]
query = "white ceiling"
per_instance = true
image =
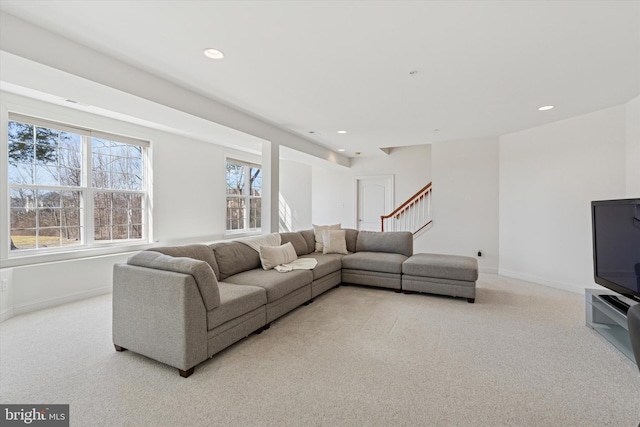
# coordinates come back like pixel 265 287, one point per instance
pixel 483 67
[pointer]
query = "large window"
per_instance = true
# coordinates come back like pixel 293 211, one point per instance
pixel 73 188
pixel 244 196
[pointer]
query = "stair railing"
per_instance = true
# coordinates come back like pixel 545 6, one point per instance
pixel 413 215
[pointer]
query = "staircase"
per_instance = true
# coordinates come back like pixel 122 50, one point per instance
pixel 414 215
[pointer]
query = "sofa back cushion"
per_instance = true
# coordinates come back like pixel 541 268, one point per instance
pixel 351 236
pixel 297 240
pixel 199 252
pixel 200 270
pixel 234 258
pixel 310 238
pixel 399 242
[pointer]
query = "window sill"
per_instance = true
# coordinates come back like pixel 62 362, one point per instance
pixel 17 259
pixel 242 233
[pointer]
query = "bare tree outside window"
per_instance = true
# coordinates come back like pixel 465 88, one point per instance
pixel 42 163
pixel 48 198
pixel 243 201
pixel 116 167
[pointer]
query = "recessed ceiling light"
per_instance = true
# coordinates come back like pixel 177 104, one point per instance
pixel 341 150
pixel 213 53
pixel 342 131
pixel 545 108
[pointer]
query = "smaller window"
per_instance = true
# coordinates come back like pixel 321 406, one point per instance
pixel 244 196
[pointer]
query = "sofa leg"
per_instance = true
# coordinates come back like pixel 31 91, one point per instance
pixel 185 374
pixel 118 348
pixel 308 302
pixel 397 291
pixel 471 300
pixel 262 329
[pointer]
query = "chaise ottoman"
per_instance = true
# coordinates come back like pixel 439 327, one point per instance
pixel 450 275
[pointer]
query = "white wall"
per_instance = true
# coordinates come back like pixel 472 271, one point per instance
pixel 410 166
pixel 334 189
pixel 38 286
pixel 465 202
pixel 295 196
pixel 334 194
pixel 633 147
pixel 548 177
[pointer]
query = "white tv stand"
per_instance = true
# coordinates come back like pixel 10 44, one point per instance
pixel 608 321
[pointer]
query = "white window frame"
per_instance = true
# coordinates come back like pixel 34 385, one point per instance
pixel 86 189
pixel 246 196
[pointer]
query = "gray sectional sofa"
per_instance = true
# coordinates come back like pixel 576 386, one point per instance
pixel 182 304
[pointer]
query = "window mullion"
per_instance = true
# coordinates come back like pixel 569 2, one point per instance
pixel 247 199
pixel 87 192
pixel 34 162
pixel 36 201
pixel 110 216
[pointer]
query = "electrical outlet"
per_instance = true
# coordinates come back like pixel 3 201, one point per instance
pixel 5 285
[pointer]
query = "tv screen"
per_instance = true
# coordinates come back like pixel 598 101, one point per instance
pixel 616 245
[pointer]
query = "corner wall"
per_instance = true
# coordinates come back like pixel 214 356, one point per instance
pixel 465 202
pixel 548 177
pixel 295 196
pixel 334 189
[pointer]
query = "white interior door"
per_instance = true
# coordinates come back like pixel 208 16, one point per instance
pixel 375 198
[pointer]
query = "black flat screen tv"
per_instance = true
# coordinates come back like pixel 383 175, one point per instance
pixel 616 245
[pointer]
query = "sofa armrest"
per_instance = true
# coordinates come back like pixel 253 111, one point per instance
pixel 159 314
pixel 200 270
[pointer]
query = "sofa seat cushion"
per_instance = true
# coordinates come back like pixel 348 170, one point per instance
pixel 235 301
pixel 374 261
pixel 327 264
pixel 442 266
pixel 276 284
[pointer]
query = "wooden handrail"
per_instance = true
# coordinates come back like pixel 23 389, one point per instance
pixel 426 225
pixel 409 200
pixel 414 210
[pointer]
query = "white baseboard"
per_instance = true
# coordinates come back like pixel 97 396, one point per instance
pixel 488 270
pixel 541 281
pixel 42 304
pixel 7 314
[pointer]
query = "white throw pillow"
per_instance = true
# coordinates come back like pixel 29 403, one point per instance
pixel 318 229
pixel 270 256
pixel 334 242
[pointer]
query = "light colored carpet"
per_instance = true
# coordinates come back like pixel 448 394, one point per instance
pixel 520 356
